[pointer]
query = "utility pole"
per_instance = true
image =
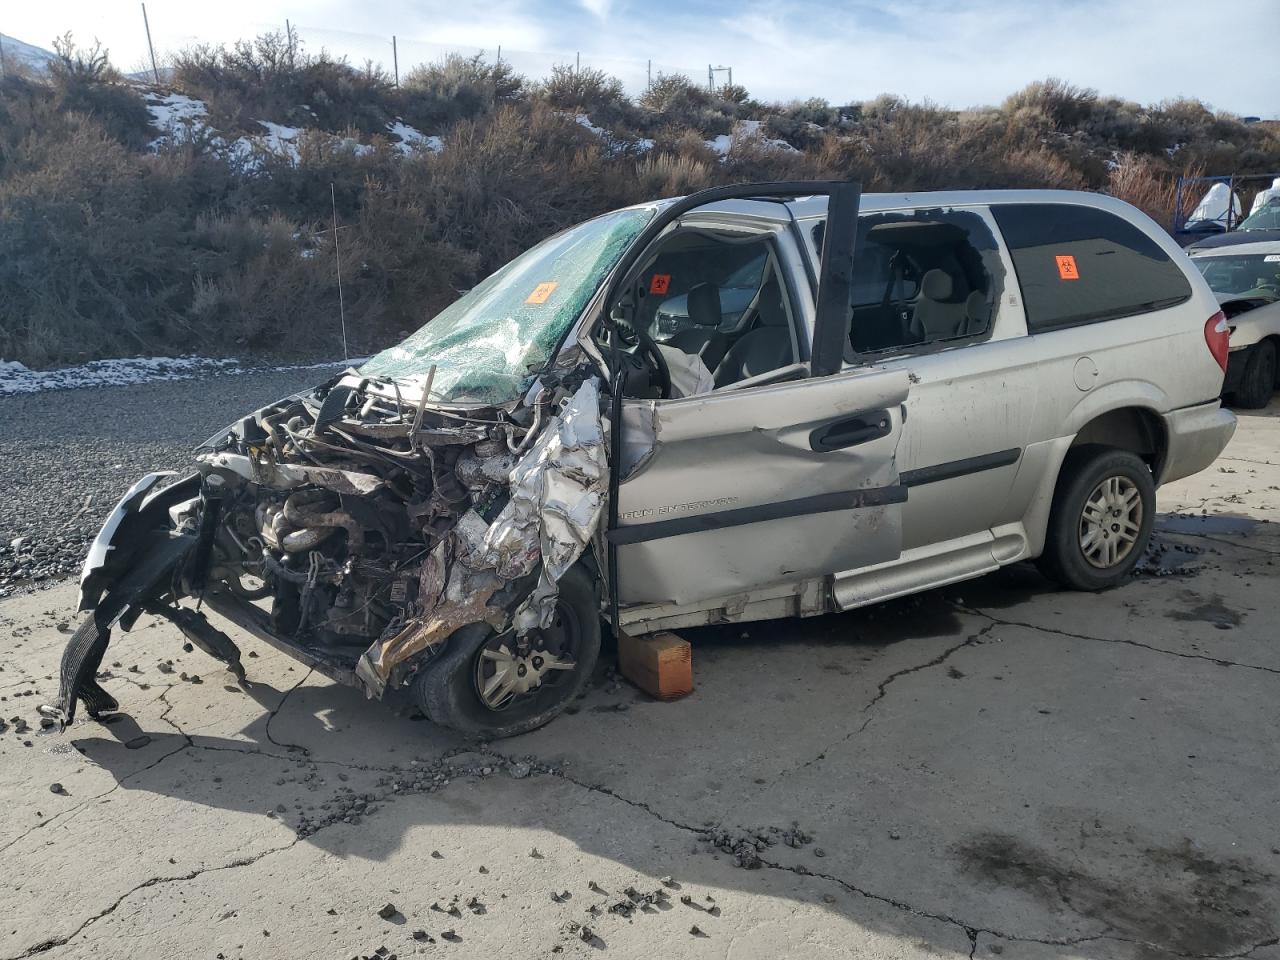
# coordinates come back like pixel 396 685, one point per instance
pixel 147 23
pixel 499 60
pixel 577 63
pixel 395 58
pixel 649 74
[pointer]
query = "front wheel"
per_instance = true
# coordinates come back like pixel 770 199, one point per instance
pixel 1103 512
pixel 487 685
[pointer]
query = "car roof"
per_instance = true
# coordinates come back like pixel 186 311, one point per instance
pixel 815 207
pixel 1242 249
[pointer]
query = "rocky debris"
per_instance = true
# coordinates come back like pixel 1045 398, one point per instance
pixel 423 937
pixel 746 845
pixel 58 788
pixel 387 911
pixel 695 931
pixel 61 481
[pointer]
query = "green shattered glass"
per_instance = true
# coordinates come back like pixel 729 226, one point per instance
pixel 488 345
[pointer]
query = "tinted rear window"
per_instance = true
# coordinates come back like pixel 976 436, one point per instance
pixel 1082 265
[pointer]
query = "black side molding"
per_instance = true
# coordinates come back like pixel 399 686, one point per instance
pixel 822 503
pixel 959 468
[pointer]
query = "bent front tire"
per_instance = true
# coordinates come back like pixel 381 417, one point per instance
pixel 1103 513
pixel 486 686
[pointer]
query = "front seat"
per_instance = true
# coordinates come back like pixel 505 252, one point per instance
pixel 939 315
pixel 704 338
pixel 764 348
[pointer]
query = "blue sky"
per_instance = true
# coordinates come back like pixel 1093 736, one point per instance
pixel 954 53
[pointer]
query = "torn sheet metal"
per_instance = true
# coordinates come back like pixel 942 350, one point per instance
pixel 558 491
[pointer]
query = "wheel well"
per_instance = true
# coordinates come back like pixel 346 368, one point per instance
pixel 1128 428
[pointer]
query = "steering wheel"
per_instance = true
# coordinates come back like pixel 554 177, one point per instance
pixel 647 348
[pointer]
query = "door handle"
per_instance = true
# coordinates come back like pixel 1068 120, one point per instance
pixel 851 431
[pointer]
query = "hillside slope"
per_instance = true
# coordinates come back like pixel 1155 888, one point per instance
pixel 200 216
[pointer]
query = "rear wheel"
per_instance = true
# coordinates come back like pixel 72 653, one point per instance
pixel 1103 512
pixel 488 685
pixel 1258 381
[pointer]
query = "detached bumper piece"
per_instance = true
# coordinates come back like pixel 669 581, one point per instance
pixel 80 662
pixel 147 579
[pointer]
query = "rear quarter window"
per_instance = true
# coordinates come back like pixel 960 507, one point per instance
pixel 1080 265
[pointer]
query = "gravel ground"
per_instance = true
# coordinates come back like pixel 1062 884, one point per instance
pixel 66 456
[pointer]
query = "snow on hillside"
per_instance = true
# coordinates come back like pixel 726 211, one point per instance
pixel 17 53
pixel 410 138
pixel 747 130
pixel 181 119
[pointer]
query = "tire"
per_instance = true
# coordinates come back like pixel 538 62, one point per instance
pixel 1100 550
pixel 1258 381
pixel 449 690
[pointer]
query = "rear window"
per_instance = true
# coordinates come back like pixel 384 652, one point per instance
pixel 1081 265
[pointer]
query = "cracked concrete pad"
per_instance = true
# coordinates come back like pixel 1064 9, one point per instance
pixel 753 716
pixel 991 770
pixel 279 904
pixel 1060 787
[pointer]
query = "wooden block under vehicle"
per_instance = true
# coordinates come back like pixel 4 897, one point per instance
pixel 660 664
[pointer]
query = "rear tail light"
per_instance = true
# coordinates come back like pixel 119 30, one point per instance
pixel 1217 336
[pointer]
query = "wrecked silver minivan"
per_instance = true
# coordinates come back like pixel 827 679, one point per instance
pixel 755 402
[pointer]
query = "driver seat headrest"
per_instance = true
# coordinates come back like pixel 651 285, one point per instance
pixel 937 285
pixel 704 305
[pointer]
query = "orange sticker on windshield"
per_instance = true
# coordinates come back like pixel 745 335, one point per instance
pixel 660 283
pixel 541 292
pixel 1067 267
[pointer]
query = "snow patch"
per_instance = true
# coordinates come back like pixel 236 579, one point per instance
pixel 747 130
pixel 17 378
pixel 279 139
pixel 178 118
pixel 411 137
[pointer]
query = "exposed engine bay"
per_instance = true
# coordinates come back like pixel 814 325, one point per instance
pixel 358 530
pixel 373 528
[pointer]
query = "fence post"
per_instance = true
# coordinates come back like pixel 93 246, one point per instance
pixel 147 23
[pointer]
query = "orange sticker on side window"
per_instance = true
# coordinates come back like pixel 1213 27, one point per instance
pixel 660 283
pixel 1067 267
pixel 541 292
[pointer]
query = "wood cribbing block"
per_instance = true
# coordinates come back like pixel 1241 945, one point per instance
pixel 660 664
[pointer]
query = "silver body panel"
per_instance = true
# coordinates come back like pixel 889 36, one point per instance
pixel 1012 404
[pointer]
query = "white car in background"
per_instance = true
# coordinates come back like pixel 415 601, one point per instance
pixel 1246 280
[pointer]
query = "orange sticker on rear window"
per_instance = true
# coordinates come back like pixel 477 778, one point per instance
pixel 541 292
pixel 1067 267
pixel 660 283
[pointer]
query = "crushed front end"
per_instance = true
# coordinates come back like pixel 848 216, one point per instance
pixel 358 529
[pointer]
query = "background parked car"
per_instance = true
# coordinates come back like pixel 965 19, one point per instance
pixel 1246 279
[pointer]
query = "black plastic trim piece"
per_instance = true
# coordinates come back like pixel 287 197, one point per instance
pixel 821 503
pixel 959 468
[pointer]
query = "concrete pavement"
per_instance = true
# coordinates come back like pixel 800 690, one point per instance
pixel 991 769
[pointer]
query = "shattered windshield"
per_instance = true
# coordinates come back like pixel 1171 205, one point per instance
pixel 1257 275
pixel 488 344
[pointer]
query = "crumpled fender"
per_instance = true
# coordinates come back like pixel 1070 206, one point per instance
pixel 141 511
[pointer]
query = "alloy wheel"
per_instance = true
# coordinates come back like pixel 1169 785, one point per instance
pixel 1110 522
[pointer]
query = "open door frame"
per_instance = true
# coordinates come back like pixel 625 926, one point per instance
pixel 835 275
